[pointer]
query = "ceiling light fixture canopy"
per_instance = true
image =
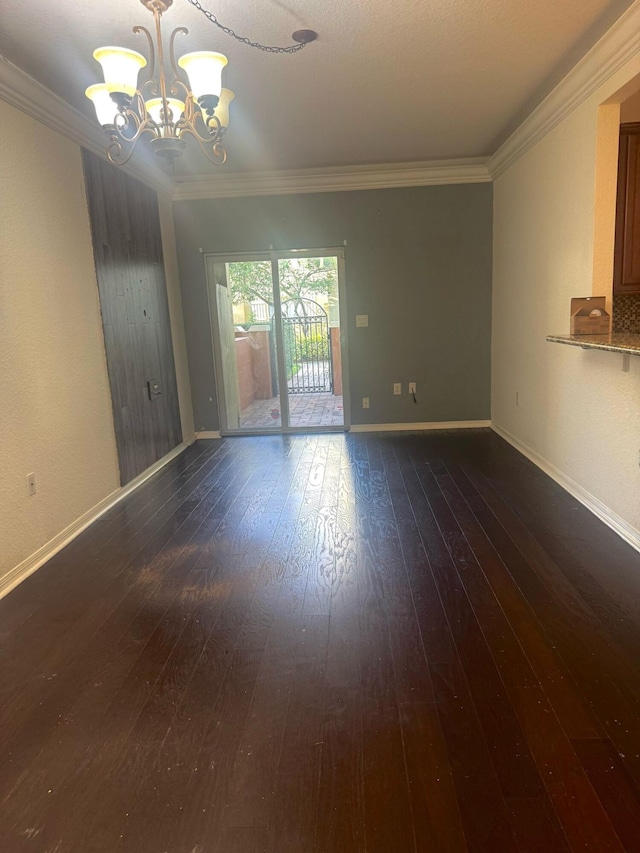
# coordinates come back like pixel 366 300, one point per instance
pixel 192 102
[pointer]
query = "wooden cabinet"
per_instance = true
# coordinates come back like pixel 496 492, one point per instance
pixel 626 266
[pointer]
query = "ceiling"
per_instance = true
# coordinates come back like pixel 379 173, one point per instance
pixel 386 82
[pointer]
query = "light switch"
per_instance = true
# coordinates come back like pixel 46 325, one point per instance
pixel 362 320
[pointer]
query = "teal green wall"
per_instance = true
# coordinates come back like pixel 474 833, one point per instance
pixel 418 262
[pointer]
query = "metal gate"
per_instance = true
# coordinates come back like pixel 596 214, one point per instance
pixel 307 347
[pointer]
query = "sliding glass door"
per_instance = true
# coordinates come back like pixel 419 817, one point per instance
pixel 278 344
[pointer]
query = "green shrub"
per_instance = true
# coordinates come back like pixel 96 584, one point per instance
pixel 313 347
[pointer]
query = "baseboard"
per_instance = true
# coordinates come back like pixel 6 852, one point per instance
pixel 208 433
pixel 27 567
pixel 630 535
pixel 418 426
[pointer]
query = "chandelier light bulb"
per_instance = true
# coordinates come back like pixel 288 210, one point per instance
pixel 155 107
pixel 222 110
pixel 99 95
pixel 204 70
pixel 120 67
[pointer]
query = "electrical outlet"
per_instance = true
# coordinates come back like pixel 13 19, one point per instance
pixel 31 484
pixel 397 388
pixel 365 402
pixel 362 321
pixel 412 387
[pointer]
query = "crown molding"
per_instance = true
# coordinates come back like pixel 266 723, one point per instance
pixel 616 47
pixel 26 94
pixel 343 179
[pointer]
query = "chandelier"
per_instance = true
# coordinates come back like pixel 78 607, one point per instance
pixel 166 110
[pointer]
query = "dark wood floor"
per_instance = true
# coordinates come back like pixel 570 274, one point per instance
pixel 328 644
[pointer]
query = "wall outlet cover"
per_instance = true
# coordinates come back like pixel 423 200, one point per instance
pixel 362 320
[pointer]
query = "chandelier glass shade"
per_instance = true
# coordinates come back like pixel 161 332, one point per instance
pixel 166 109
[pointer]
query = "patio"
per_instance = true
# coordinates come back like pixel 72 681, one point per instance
pixel 305 410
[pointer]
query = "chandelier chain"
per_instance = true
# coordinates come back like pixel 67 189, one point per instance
pixel 294 48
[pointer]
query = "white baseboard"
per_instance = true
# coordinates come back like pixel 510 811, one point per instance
pixel 208 433
pixel 630 535
pixel 422 425
pixel 27 567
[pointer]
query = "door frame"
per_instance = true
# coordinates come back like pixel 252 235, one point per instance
pixel 275 256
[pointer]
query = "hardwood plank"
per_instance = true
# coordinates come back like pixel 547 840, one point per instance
pixel 387 816
pixel 340 812
pixel 484 813
pixel 615 788
pixel 340 823
pixel 250 799
pixel 293 819
pixel 434 805
pixel 536 826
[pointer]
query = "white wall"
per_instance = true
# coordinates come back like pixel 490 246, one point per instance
pixel 578 410
pixel 55 409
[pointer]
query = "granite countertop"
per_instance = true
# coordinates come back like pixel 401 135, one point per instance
pixel 623 342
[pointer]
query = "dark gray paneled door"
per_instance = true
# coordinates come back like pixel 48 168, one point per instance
pixel 127 246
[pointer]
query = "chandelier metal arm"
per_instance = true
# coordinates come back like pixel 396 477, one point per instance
pixel 211 148
pixel 117 145
pixel 126 119
pixel 189 124
pixel 152 52
pixel 114 150
pixel 172 56
pixel 129 118
pixel 178 87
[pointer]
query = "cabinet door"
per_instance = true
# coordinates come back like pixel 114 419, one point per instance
pixel 627 247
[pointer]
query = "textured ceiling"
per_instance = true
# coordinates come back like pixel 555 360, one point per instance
pixel 386 82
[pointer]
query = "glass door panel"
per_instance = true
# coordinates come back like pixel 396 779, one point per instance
pixel 244 301
pixel 310 318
